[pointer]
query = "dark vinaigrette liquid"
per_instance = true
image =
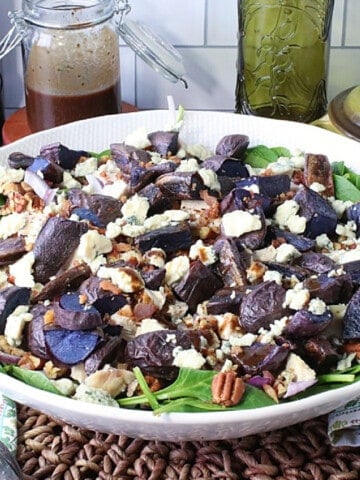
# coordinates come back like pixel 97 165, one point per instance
pixel 47 111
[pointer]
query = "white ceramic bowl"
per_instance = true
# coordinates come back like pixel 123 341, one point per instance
pixel 205 128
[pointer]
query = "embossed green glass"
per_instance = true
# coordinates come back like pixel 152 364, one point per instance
pixel 283 58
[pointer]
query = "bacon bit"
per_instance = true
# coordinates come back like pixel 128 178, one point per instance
pixel 255 272
pixel 122 247
pixel 100 230
pixel 65 208
pixel 82 299
pixel 277 242
pixel 153 383
pixel 144 310
pixel 208 322
pixel 214 210
pixel 49 317
pixel 353 348
pixel 126 311
pixel 298 177
pixel 109 287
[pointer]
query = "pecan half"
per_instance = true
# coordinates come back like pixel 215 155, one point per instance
pixel 227 389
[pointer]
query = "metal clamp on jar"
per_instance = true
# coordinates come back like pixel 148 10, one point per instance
pixel 71 57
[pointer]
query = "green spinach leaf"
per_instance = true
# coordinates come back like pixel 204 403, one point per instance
pixel 191 392
pixel 281 152
pixel 345 189
pixel 260 156
pixel 33 378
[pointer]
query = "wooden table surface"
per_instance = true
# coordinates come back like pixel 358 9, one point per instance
pixel 16 126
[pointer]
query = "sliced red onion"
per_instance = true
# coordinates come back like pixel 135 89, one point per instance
pixel 95 183
pixel 297 387
pixel 258 381
pixel 40 187
pixel 9 358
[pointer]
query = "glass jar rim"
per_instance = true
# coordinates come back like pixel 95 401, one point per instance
pixel 59 14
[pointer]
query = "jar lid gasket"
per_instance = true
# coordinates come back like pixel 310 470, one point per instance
pixel 158 54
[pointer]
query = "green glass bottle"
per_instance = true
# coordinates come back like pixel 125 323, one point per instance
pixel 283 58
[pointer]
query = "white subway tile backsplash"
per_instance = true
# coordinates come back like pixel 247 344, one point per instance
pixel 205 33
pixel 344 72
pixel 337 23
pixel 222 23
pixel 352 31
pixel 180 22
pixel 210 76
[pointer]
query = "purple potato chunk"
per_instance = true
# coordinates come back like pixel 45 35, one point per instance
pixel 127 157
pixel 255 239
pixel 10 298
pixel 258 357
pixel 74 316
pixel 71 302
pixel 103 300
pixel 320 354
pixel 49 171
pixel 68 280
pixel 197 285
pixel 234 145
pixel 288 271
pixel 157 200
pixel 170 238
pixel 304 324
pixel 140 177
pixel 18 160
pixel 320 216
pixel 223 165
pixel 262 306
pixel 353 269
pixel 241 199
pixel 270 186
pixel 11 249
pixel 351 324
pixel 154 279
pixel 35 337
pixel 231 266
pixel 87 214
pixel 62 155
pixel 301 243
pixel 181 185
pixel 104 209
pixel 227 299
pixel 107 352
pixel 316 262
pixel 56 242
pixel 317 169
pixel 164 143
pixel 153 352
pixel 163 167
pixel 337 289
pixel 353 213
pixel 109 304
pixel 70 347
